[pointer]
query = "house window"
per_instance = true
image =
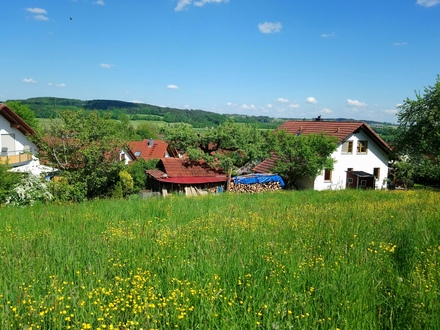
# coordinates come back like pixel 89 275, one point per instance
pixel 327 175
pixel 347 147
pixel 362 147
pixel 376 172
pixel 137 153
pixel 350 180
pixel 363 183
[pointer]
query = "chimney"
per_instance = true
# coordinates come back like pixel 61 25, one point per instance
pixel 150 143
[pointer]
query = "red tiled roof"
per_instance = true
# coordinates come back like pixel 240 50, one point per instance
pixel 15 120
pixel 142 149
pixel 178 167
pixel 340 129
pixel 266 165
pixel 183 171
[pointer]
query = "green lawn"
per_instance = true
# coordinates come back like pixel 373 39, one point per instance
pixel 283 260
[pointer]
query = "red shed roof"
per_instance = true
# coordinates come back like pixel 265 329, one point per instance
pixel 184 171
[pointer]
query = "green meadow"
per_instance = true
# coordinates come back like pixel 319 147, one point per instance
pixel 284 260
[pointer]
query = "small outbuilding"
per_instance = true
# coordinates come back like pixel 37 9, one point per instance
pixel 183 176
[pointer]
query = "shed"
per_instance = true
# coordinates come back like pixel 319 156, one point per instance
pixel 360 179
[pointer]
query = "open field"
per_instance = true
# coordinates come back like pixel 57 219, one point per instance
pixel 284 260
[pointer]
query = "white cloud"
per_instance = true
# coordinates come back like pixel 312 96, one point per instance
pixel 57 85
pixel 172 86
pixel 36 10
pixel 269 106
pixel 29 80
pixel 247 107
pixel 356 103
pixel 270 27
pixel 399 44
pixel 294 106
pixel 428 3
pixel 106 66
pixel 39 13
pixel 100 3
pixel 327 35
pixel 282 100
pixel 326 110
pixel 41 18
pixel 311 100
pixel 182 4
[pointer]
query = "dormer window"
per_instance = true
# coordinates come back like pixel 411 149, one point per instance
pixel 137 153
pixel 362 147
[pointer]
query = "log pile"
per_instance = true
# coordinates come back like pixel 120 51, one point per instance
pixel 255 187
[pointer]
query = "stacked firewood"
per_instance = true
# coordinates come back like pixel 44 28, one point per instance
pixel 255 187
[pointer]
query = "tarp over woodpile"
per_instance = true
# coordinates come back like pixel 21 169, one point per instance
pixel 258 179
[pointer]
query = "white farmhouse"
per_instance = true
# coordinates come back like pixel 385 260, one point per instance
pixel 16 148
pixel 361 158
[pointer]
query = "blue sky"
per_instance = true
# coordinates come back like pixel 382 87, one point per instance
pixel 280 58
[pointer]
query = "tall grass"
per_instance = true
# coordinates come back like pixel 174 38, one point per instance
pixel 301 260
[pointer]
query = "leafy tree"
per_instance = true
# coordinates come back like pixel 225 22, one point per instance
pixel 227 146
pixel 146 131
pixel 303 155
pixel 419 133
pixel 86 148
pixel 25 113
pixel 138 174
pixel 8 180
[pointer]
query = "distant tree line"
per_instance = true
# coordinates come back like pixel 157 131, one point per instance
pixel 47 107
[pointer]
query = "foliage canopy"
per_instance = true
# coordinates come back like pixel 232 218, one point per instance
pixel 419 133
pixel 302 156
pixel 86 147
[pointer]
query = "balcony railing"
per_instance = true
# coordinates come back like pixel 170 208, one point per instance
pixel 12 157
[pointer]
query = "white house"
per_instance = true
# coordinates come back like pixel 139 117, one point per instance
pixel 16 148
pixel 361 158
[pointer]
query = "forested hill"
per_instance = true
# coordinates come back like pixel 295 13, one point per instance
pixel 45 107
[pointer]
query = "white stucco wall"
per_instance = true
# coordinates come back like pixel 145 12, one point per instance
pixel 21 140
pixel 375 157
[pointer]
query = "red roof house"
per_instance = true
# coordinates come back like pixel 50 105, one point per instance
pixel 360 149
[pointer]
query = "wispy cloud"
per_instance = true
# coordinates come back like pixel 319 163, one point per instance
pixel 327 35
pixel 311 100
pixel 428 3
pixel 106 65
pixel 100 3
pixel 400 44
pixel 356 103
pixel 29 80
pixel 294 106
pixel 270 27
pixel 326 110
pixel 57 85
pixel 171 86
pixel 39 13
pixel 282 100
pixel 182 4
pixel 247 106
